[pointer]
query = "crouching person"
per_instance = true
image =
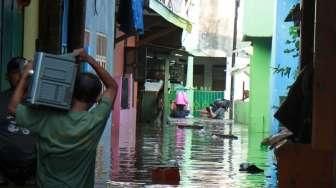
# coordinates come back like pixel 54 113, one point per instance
pixel 218 108
pixel 67 141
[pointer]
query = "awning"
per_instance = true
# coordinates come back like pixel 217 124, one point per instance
pixel 170 15
pixel 159 31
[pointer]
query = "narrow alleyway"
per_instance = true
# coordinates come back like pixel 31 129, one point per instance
pixel 204 159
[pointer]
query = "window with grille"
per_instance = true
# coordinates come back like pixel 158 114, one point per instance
pixel 218 77
pixel 199 76
pixel 101 51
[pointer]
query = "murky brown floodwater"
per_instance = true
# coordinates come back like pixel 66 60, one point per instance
pixel 205 160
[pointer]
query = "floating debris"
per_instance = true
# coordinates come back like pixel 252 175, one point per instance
pixel 202 121
pixel 173 163
pixel 119 184
pixel 168 175
pixel 226 136
pixel 250 168
pixel 181 126
pixel 214 136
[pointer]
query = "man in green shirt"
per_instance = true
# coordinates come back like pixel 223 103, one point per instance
pixel 67 141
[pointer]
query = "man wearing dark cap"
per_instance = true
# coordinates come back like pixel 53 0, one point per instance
pixel 14 68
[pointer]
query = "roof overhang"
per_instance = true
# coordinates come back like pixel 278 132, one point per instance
pixel 170 15
pixel 160 32
pixel 251 38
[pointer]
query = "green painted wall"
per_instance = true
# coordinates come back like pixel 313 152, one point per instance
pixel 259 84
pixel 259 18
pixel 242 112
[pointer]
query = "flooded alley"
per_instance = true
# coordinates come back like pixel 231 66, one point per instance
pixel 167 93
pixel 204 159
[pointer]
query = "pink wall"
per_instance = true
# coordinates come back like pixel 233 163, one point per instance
pixel 123 120
pixel 119 53
pixel 124 125
pixel 125 116
pixel 117 103
pixel 119 56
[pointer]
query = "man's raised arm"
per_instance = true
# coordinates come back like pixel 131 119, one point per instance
pixel 20 90
pixel 109 83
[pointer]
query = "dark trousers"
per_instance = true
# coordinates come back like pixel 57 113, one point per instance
pixel 180 111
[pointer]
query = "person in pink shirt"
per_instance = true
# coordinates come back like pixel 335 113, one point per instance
pixel 181 98
pixel 181 103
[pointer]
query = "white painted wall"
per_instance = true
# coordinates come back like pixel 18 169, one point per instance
pixel 240 70
pixel 212 30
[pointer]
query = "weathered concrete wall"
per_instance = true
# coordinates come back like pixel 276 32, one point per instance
pixel 212 32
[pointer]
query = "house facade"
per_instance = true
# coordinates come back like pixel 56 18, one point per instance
pixel 285 58
pixel 99 31
pixel 258 29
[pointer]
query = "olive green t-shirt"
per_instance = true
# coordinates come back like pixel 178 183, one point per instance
pixel 66 143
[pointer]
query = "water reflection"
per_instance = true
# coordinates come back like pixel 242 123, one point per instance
pixel 204 159
pixel 103 158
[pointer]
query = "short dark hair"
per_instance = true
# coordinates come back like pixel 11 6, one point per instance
pixel 15 64
pixel 87 87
